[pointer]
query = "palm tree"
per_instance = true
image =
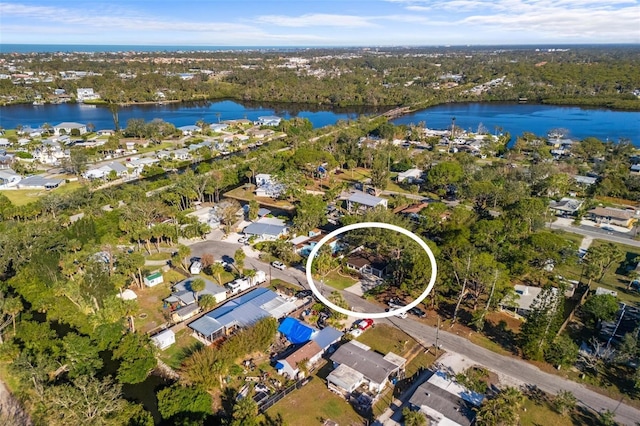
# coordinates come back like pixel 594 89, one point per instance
pixel 183 253
pixel 216 270
pixel 197 286
pixel 239 257
pixel 13 306
pixel 250 273
pixel 207 302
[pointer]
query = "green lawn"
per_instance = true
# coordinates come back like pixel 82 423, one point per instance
pixel 20 197
pixel 383 338
pixel 339 282
pixel 313 404
pixel 175 354
pixel 541 413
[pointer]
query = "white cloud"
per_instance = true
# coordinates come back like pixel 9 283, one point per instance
pixel 316 20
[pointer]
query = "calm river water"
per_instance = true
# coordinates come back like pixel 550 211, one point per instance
pixel 507 117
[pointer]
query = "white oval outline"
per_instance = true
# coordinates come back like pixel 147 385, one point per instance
pixel 404 231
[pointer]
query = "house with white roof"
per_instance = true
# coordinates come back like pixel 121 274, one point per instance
pixel 104 171
pixel 164 339
pixel 66 128
pixel 9 178
pixel 183 295
pixel 410 176
pixel 189 130
pixel 268 187
pixel 269 120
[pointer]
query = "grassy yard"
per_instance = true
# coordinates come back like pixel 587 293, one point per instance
pixel 20 197
pixel 338 281
pixel 384 339
pixel 175 354
pixel 244 193
pixel 313 404
pixel 150 306
pixel 534 413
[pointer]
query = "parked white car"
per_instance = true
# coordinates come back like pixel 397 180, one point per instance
pixel 278 265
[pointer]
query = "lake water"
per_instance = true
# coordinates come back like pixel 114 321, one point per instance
pixel 180 114
pixel 507 117
pixel 538 119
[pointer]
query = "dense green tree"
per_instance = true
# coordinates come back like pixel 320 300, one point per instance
pixel 602 307
pixel 310 213
pixel 181 402
pixel 136 357
pixel 82 355
pixel 413 418
pixel 564 402
pixel 563 351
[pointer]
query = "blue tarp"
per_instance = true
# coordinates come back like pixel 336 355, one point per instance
pixel 295 331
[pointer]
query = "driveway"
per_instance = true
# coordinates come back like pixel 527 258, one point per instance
pixel 588 230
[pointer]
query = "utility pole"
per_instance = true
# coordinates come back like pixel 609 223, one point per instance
pixel 437 334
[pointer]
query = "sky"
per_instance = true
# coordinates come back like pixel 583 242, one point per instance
pixel 319 22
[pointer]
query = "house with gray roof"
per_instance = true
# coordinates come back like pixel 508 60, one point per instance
pixel 266 229
pixel 566 206
pixel 356 364
pixel 360 201
pixel 39 182
pixel 445 402
pixel 9 178
pixel 183 295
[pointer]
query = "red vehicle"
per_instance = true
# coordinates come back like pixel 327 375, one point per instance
pixel 365 323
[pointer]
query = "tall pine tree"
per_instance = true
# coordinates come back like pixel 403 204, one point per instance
pixel 542 323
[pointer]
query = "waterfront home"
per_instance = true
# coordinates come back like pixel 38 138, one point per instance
pixel 189 130
pixel 68 127
pixel 268 120
pixel 86 94
pixel 164 339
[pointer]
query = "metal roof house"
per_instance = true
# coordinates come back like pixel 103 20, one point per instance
pixel 269 120
pixel 243 311
pixel 67 127
pixel 362 201
pixel 39 182
pixel 566 206
pixel 266 228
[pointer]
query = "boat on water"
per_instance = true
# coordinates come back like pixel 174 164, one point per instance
pixel 38 102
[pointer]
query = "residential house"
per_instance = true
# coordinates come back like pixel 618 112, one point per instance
pixel 39 182
pixel 365 263
pixel 103 172
pixel 266 186
pixel 585 180
pixel 164 339
pixel 240 312
pixel 566 206
pixel 412 212
pixel 269 120
pixel 520 303
pixel 613 216
pixel 86 94
pixel 218 127
pixel 9 178
pixel 410 176
pixel 356 364
pixel 183 295
pixel 189 130
pixel 4 142
pixel 266 229
pixel 445 402
pixel 137 165
pixel 360 201
pixel 66 128
pixel 309 352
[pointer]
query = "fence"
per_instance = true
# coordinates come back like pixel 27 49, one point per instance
pixel 575 308
pixel 264 406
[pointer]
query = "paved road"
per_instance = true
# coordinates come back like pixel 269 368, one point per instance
pixel 597 233
pixel 426 335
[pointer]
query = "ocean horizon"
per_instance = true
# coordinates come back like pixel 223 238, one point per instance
pixel 6 48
